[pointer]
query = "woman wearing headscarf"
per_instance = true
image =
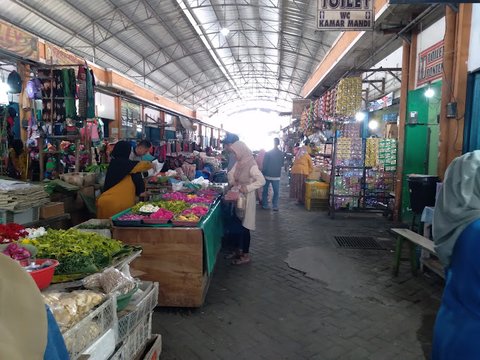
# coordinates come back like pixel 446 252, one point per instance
pixel 301 168
pixel 456 233
pixel 28 329
pixel 17 161
pixel 123 182
pixel 247 178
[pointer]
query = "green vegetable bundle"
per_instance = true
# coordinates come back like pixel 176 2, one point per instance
pixel 78 252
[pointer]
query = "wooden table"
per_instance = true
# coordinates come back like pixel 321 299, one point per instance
pixel 181 260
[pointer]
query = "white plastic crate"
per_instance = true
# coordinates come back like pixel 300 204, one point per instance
pixel 136 340
pixel 90 328
pixel 20 217
pixel 137 309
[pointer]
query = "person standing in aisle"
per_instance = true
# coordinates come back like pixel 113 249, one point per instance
pixel 302 167
pixel 272 169
pixel 229 140
pixel 247 178
pixel 456 233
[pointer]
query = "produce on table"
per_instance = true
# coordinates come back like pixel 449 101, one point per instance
pixel 148 208
pixel 196 210
pixel 78 252
pixel 162 214
pixel 174 206
pixel 136 207
pixel 35 232
pixel 188 218
pixel 11 232
pixel 69 308
pixel 17 252
pixel 131 217
pixel 176 195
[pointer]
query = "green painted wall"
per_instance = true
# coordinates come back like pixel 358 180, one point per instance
pixel 421 140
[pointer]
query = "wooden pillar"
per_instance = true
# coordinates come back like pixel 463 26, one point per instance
pixel 402 111
pixel 411 82
pixel 117 123
pixel 462 44
pixel 447 83
pixel 24 109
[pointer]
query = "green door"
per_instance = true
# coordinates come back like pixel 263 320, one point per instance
pixel 421 139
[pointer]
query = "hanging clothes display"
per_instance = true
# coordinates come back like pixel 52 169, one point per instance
pixel 82 92
pixel 69 84
pixel 90 94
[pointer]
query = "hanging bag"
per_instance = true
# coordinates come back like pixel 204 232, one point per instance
pixel 241 206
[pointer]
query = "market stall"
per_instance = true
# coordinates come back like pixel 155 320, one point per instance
pixel 180 255
pixel 102 311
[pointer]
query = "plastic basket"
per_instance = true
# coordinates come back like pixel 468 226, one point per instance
pixel 90 328
pixel 137 310
pixel 136 340
pixel 316 190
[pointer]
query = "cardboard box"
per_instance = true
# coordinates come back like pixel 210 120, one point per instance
pixel 51 210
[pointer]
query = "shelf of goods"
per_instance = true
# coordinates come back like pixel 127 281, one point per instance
pixel 180 259
pixel 322 163
pixel 363 172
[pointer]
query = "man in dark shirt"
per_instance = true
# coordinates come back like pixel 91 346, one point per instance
pixel 272 168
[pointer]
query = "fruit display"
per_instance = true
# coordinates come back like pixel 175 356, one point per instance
pixel 349 96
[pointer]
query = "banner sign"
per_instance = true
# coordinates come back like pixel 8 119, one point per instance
pixel 430 64
pixel 59 56
pixel 345 15
pixel 381 103
pixel 432 1
pixel 18 42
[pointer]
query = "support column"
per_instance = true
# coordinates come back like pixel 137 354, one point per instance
pixel 462 44
pixel 118 118
pixel 402 111
pixel 447 90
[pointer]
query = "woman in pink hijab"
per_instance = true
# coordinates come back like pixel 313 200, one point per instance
pixel 247 178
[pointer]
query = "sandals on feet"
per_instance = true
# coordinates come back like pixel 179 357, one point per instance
pixel 241 260
pixel 233 255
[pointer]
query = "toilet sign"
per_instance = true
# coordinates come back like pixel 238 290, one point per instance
pixel 345 15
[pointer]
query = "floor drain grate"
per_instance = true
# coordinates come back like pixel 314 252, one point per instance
pixel 358 242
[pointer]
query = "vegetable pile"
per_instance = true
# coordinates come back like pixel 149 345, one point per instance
pixel 17 252
pixel 11 232
pixel 162 214
pixel 131 217
pixel 78 252
pixel 198 211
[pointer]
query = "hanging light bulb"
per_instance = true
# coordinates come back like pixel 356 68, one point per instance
pixel 360 116
pixel 373 125
pixel 429 92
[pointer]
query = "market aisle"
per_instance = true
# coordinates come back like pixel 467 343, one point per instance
pixel 348 307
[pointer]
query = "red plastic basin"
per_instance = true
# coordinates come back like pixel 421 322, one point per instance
pixel 43 277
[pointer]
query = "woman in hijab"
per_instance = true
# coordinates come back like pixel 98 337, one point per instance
pixel 456 233
pixel 123 182
pixel 17 161
pixel 28 329
pixel 301 168
pixel 247 178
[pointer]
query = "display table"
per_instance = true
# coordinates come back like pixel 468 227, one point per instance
pixel 181 260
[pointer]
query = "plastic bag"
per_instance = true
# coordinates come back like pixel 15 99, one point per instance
pixel 110 281
pixel 241 205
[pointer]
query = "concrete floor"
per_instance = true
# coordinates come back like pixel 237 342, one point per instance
pixel 303 298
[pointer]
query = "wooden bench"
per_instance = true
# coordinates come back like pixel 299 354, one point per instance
pixel 415 239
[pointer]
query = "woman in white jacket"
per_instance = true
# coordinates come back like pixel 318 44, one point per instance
pixel 247 178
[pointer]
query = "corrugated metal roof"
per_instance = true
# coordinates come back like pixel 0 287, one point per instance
pixel 176 47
